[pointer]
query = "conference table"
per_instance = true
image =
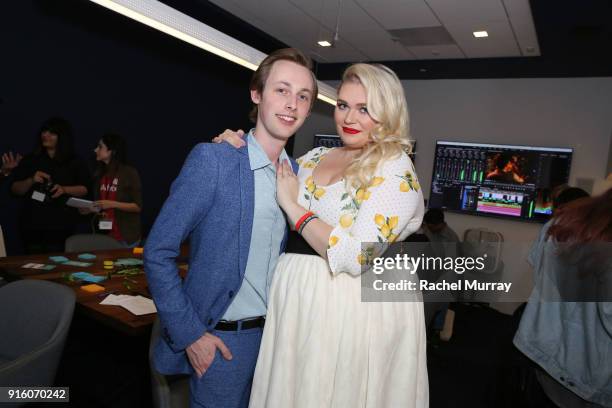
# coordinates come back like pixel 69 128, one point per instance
pixel 88 304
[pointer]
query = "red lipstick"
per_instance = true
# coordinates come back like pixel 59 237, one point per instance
pixel 350 131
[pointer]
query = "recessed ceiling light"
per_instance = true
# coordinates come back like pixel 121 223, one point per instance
pixel 480 34
pixel 324 43
pixel 422 70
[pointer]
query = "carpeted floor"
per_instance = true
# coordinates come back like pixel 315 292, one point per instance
pixel 478 368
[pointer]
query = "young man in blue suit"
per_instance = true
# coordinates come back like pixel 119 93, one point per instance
pixel 224 202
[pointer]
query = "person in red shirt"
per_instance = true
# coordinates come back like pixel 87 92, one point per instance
pixel 117 191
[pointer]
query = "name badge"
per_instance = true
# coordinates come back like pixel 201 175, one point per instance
pixel 38 196
pixel 105 225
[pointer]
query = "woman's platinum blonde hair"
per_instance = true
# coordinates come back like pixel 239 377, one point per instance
pixel 386 104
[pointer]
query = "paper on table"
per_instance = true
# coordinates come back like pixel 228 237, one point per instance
pixel 80 203
pixel 35 266
pixel 137 305
pixel 112 299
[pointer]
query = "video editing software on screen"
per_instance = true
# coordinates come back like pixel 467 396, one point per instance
pixel 498 180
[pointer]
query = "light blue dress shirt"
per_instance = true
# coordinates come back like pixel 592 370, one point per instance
pixel 266 238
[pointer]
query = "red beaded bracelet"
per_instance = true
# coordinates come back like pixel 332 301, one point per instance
pixel 298 224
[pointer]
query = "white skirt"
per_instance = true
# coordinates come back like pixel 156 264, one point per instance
pixel 323 347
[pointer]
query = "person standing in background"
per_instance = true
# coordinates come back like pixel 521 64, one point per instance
pixel 45 179
pixel 567 334
pixel 444 240
pixel 117 191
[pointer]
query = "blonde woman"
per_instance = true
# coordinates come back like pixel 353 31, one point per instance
pixel 322 346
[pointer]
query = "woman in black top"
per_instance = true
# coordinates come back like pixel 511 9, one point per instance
pixel 46 178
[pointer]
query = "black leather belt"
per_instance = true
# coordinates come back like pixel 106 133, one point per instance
pixel 242 324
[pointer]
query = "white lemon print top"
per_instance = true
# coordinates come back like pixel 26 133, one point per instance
pixel 389 209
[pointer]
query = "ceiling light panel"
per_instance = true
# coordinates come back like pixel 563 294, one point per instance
pixel 462 18
pixel 398 14
pixel 170 21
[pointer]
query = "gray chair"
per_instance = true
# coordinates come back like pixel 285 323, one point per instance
pixel 2 247
pixel 169 391
pixel 35 317
pixel 91 242
pixel 2 253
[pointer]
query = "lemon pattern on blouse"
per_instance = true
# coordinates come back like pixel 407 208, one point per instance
pixel 312 191
pixel 333 240
pixel 385 227
pixel 408 183
pixel 312 162
pixel 352 202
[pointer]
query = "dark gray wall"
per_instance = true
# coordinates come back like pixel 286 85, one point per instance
pixel 104 72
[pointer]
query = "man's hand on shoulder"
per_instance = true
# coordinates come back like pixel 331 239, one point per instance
pixel 202 352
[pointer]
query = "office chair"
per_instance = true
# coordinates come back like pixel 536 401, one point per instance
pixel 91 242
pixel 35 317
pixel 169 391
pixel 2 247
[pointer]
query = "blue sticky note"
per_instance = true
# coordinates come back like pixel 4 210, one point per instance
pixel 87 256
pixel 87 277
pixel 94 279
pixel 59 259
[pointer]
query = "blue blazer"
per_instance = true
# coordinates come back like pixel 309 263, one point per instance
pixel 211 203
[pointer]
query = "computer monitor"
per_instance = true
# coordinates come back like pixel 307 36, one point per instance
pixel 322 140
pixel 508 181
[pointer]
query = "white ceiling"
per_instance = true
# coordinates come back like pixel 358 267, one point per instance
pixel 364 25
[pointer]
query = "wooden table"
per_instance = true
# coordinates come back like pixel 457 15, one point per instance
pixel 89 303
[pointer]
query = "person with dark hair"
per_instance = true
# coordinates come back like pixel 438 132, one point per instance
pixel 117 191
pixel 46 178
pixel 212 321
pixel 567 195
pixel 568 334
pixel 444 241
pixel 563 197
